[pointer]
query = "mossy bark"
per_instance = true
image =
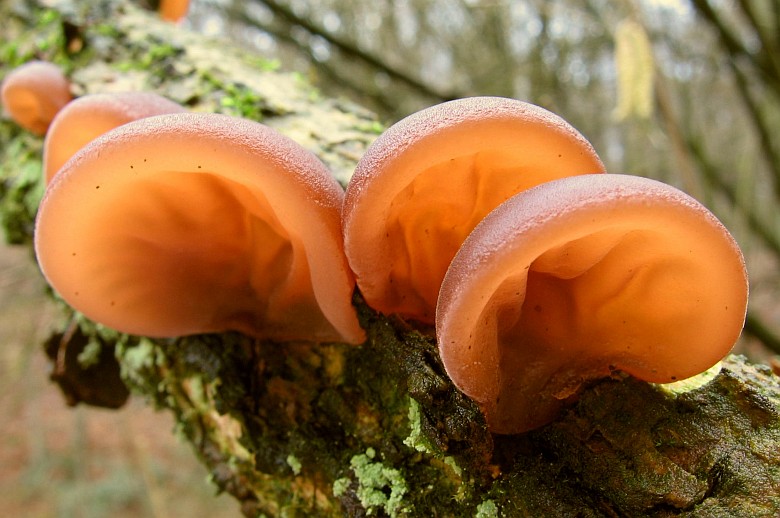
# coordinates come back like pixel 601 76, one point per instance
pixel 301 429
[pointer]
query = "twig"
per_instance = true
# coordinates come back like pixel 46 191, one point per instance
pixel 735 48
pixel 349 49
pixel 755 327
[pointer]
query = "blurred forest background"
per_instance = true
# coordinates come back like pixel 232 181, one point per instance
pixel 685 91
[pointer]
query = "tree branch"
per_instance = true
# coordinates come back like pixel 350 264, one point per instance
pixel 342 80
pixel 765 134
pixel 756 327
pixel 768 53
pixel 734 47
pixel 302 429
pixel 350 50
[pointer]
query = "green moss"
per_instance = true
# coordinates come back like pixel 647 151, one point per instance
pixel 21 184
pixel 240 101
pixel 264 64
pixel 305 84
pixel 107 30
pixel 158 55
pixel 374 126
pixel 53 42
pixel 48 44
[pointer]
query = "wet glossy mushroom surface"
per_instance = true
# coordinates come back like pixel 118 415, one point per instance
pixel 425 183
pixel 581 277
pixel 191 223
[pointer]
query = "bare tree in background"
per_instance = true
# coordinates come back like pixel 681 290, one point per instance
pixel 714 73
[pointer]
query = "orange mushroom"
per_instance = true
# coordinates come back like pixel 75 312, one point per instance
pixel 33 93
pixel 193 223
pixel 173 10
pixel 582 276
pixel 429 179
pixel 88 117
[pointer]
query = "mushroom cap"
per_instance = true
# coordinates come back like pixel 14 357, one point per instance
pixel 192 223
pixel 33 93
pixel 426 182
pixel 88 117
pixel 579 277
pixel 173 10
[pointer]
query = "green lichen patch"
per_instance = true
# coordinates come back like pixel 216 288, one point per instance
pixel 487 509
pixel 294 463
pixel 340 486
pixel 378 486
pixel 416 439
pixel 138 360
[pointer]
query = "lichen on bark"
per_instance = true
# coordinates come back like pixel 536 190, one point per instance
pixel 300 429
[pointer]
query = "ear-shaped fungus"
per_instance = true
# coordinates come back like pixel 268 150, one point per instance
pixel 192 223
pixel 173 10
pixel 88 117
pixel 429 179
pixel 33 94
pixel 581 276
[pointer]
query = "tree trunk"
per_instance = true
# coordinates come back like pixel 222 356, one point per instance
pixel 297 429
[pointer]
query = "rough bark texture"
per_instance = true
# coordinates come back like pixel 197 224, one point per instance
pixel 332 430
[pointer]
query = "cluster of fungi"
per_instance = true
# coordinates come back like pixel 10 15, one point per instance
pixel 487 221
